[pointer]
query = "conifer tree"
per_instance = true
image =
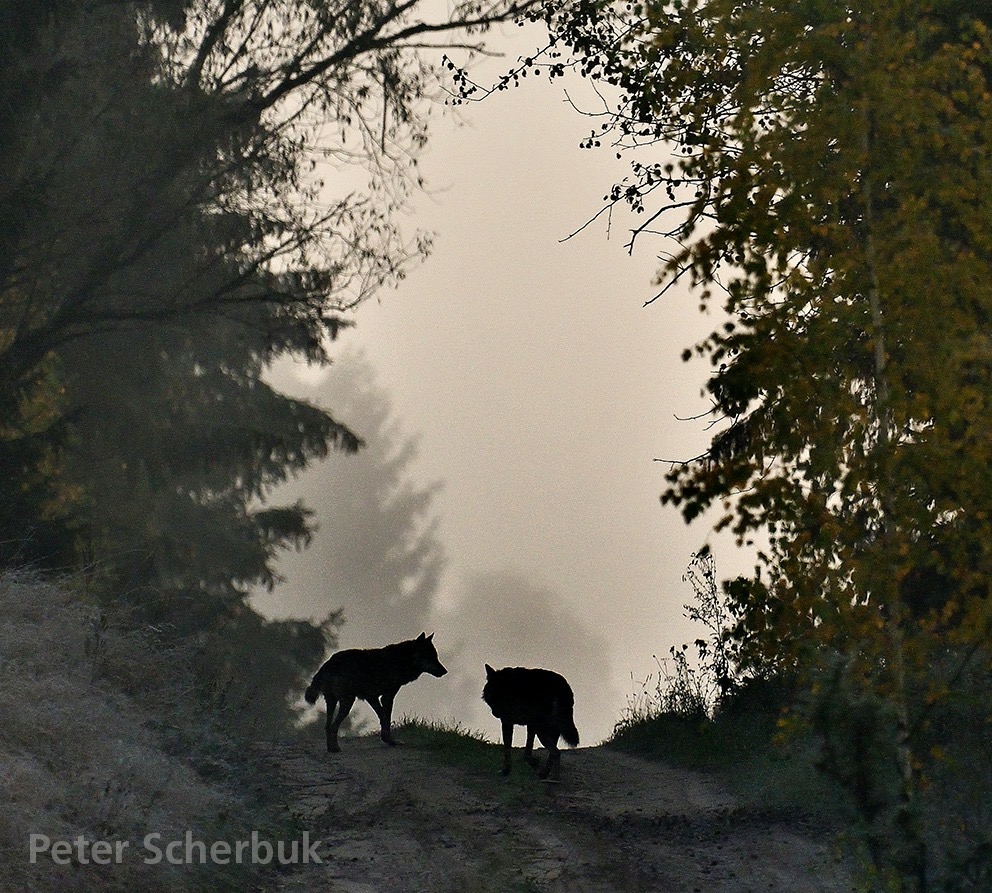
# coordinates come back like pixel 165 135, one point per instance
pixel 190 190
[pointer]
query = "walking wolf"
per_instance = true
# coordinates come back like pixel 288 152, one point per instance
pixel 538 699
pixel 373 674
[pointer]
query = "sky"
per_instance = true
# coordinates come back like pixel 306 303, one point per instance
pixel 541 391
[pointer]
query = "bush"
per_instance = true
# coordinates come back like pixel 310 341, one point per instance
pixel 705 711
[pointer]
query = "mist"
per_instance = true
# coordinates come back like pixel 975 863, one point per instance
pixel 378 557
pixel 505 620
pixel 530 391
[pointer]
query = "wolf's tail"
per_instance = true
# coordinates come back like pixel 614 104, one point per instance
pixel 568 731
pixel 313 689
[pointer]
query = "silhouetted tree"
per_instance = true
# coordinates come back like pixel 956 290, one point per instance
pixel 376 553
pixel 165 235
pixel 819 171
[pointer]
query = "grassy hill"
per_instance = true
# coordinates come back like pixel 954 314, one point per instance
pixel 102 740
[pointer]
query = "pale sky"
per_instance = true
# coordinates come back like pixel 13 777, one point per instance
pixel 541 390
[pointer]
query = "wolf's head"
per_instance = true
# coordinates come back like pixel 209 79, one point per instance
pixel 425 655
pixel 492 692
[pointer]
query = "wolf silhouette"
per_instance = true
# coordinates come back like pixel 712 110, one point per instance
pixel 373 674
pixel 542 701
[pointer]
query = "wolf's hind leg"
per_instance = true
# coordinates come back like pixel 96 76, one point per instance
pixel 344 708
pixel 529 749
pixel 329 729
pixel 552 768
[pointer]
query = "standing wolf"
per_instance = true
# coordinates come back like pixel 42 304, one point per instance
pixel 539 699
pixel 374 675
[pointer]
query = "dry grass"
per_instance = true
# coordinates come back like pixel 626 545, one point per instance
pixel 84 705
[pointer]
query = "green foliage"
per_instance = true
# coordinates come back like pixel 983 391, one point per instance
pixel 691 688
pixel 826 184
pixel 707 712
pixel 704 710
pixel 741 744
pixel 853 730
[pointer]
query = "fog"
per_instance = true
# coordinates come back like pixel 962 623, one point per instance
pixel 535 385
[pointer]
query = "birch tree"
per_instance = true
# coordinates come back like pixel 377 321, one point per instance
pixel 821 173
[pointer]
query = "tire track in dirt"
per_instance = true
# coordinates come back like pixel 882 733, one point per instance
pixel 394 819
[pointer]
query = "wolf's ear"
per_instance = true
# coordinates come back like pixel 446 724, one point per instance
pixel 489 671
pixel 421 637
pixel 431 636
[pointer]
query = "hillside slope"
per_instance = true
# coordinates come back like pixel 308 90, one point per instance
pixel 399 820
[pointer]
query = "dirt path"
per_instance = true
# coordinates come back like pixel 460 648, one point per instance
pixel 396 820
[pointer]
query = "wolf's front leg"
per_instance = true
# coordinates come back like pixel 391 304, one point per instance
pixel 507 745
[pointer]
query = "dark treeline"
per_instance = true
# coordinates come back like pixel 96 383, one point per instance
pixel 165 235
